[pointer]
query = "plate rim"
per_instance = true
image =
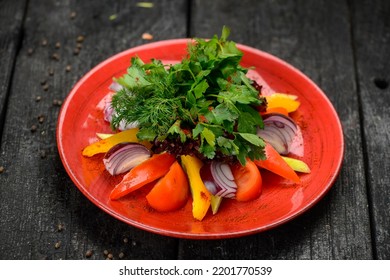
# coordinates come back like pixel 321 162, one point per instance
pixel 193 235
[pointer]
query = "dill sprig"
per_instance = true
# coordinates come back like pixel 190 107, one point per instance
pixel 206 98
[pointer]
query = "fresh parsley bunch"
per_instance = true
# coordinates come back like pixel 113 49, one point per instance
pixel 207 98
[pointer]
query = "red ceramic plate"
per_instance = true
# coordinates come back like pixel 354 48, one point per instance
pixel 81 118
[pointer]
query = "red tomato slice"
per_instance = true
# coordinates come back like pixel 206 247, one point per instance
pixel 171 191
pixel 144 173
pixel 276 164
pixel 248 180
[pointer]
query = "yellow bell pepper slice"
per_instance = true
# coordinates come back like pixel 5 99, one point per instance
pixel 283 100
pixel 103 145
pixel 215 203
pixel 104 135
pixel 200 195
pixel 297 165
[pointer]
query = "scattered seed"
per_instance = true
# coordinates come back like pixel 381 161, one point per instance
pixel 110 256
pixel 45 87
pixel 55 56
pixel 79 45
pixel 121 255
pixel 58 45
pixel 57 102
pixel 33 128
pixel 44 42
pixel 43 132
pixel 76 51
pixel 134 243
pixel 30 51
pixel 41 119
pixel 43 154
pixel 60 227
pixel 38 98
pixel 113 17
pixel 51 72
pixel 43 82
pixel 145 5
pixel 105 252
pixel 72 15
pixel 89 253
pixel 1 169
pixel 68 68
pixel 80 39
pixel 57 245
pixel 147 36
pixel 125 240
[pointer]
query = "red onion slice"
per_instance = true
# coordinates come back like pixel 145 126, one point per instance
pixel 279 131
pixel 109 112
pixel 115 87
pixel 124 156
pixel 218 179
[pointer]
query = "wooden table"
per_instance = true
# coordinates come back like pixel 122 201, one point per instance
pixel 47 46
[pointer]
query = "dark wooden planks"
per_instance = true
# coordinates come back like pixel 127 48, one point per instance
pixel 11 19
pixel 371 31
pixel 315 37
pixel 36 194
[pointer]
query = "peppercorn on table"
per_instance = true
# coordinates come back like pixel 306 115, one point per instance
pixel 46 47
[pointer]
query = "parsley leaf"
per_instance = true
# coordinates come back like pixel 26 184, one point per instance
pixel 176 129
pixel 209 136
pixel 206 98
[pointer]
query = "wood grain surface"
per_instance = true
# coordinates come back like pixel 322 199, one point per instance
pixel 11 18
pixel 371 47
pixel 47 46
pixel 304 34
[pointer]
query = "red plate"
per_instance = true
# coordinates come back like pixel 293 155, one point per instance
pixel 81 118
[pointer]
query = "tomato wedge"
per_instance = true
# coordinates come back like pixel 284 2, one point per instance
pixel 171 191
pixel 148 171
pixel 248 180
pixel 276 164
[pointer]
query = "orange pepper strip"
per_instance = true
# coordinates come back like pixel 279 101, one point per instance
pixel 148 171
pixel 276 164
pixel 279 110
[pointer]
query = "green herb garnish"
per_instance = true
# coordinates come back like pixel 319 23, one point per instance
pixel 206 99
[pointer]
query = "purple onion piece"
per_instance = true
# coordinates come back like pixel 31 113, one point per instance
pixel 109 112
pixel 279 131
pixel 271 139
pixel 207 178
pixel 124 156
pixel 115 87
pixel 218 179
